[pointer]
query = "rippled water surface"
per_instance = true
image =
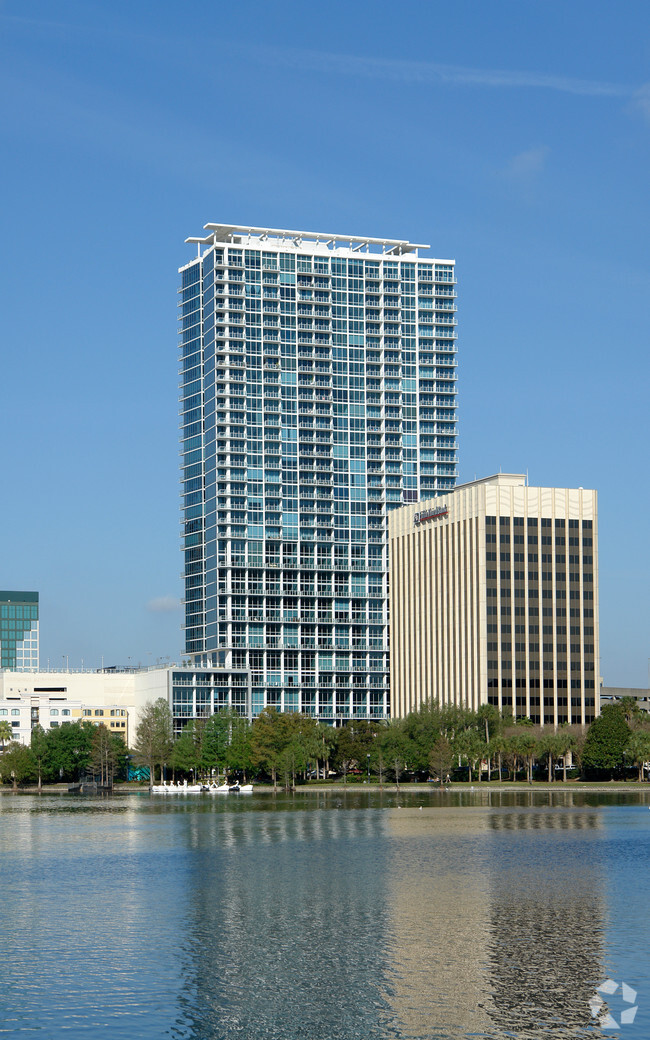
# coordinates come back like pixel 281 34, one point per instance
pixel 322 916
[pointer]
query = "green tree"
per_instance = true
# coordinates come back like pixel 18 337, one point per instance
pixel 490 726
pixel 441 758
pixel 526 741
pixel 154 736
pixel 378 761
pixel 283 742
pixel 226 743
pixel 344 751
pixel 638 749
pixel 268 738
pixel 631 710
pixel 309 739
pixel 217 738
pixel 521 745
pixel 423 728
pixel 187 752
pixel 497 748
pixel 472 749
pixel 489 721
pixel 5 732
pixel 395 745
pixel 606 741
pixel 549 748
pixel 107 754
pixel 238 752
pixel 39 746
pixel 568 741
pixel 293 759
pixel 364 735
pixel 67 751
pixel 454 720
pixel 17 764
pixel 326 737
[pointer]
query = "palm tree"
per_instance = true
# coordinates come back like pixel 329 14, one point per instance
pixel 550 746
pixel 473 749
pixel 498 746
pixel 638 749
pixel 631 709
pixel 5 732
pixel 527 745
pixel 565 741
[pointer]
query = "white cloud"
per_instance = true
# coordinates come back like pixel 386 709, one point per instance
pixel 641 101
pixel 163 604
pixel 527 165
pixel 434 72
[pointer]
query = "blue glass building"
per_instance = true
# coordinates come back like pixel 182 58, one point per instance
pixel 318 392
pixel 19 631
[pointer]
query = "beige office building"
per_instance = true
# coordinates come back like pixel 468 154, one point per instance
pixel 494 600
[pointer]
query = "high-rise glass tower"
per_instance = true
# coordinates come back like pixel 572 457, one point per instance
pixel 19 631
pixel 318 392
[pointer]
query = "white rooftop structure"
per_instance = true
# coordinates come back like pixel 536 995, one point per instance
pixel 237 233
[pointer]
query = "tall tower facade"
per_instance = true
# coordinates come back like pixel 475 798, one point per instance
pixel 318 392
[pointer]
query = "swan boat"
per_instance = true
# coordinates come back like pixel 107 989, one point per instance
pixel 185 788
pixel 229 789
pixel 172 788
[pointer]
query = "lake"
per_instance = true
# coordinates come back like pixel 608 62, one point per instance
pixel 324 916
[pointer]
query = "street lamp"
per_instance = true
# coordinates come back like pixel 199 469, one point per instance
pixel 368 765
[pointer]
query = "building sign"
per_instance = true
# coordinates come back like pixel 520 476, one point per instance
pixel 430 514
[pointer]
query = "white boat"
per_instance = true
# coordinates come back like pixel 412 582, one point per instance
pixel 171 788
pixel 185 788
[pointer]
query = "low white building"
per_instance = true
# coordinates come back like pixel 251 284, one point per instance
pixel 116 697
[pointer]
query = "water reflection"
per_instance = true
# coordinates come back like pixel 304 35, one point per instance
pixel 496 921
pixel 284 930
pixel 547 921
pixel 407 916
pixel 438 895
pixel 83 932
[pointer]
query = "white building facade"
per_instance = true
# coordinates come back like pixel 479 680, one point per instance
pixel 115 697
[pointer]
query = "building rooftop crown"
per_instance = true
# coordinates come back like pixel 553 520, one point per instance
pixel 241 234
pixel 500 479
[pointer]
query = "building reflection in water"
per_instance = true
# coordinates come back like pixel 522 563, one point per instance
pixel 547 921
pixel 496 921
pixel 439 928
pixel 284 931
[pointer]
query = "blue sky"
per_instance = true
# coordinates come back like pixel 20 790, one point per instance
pixel 513 137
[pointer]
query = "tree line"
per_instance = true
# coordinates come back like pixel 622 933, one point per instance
pixel 435 743
pixel 63 754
